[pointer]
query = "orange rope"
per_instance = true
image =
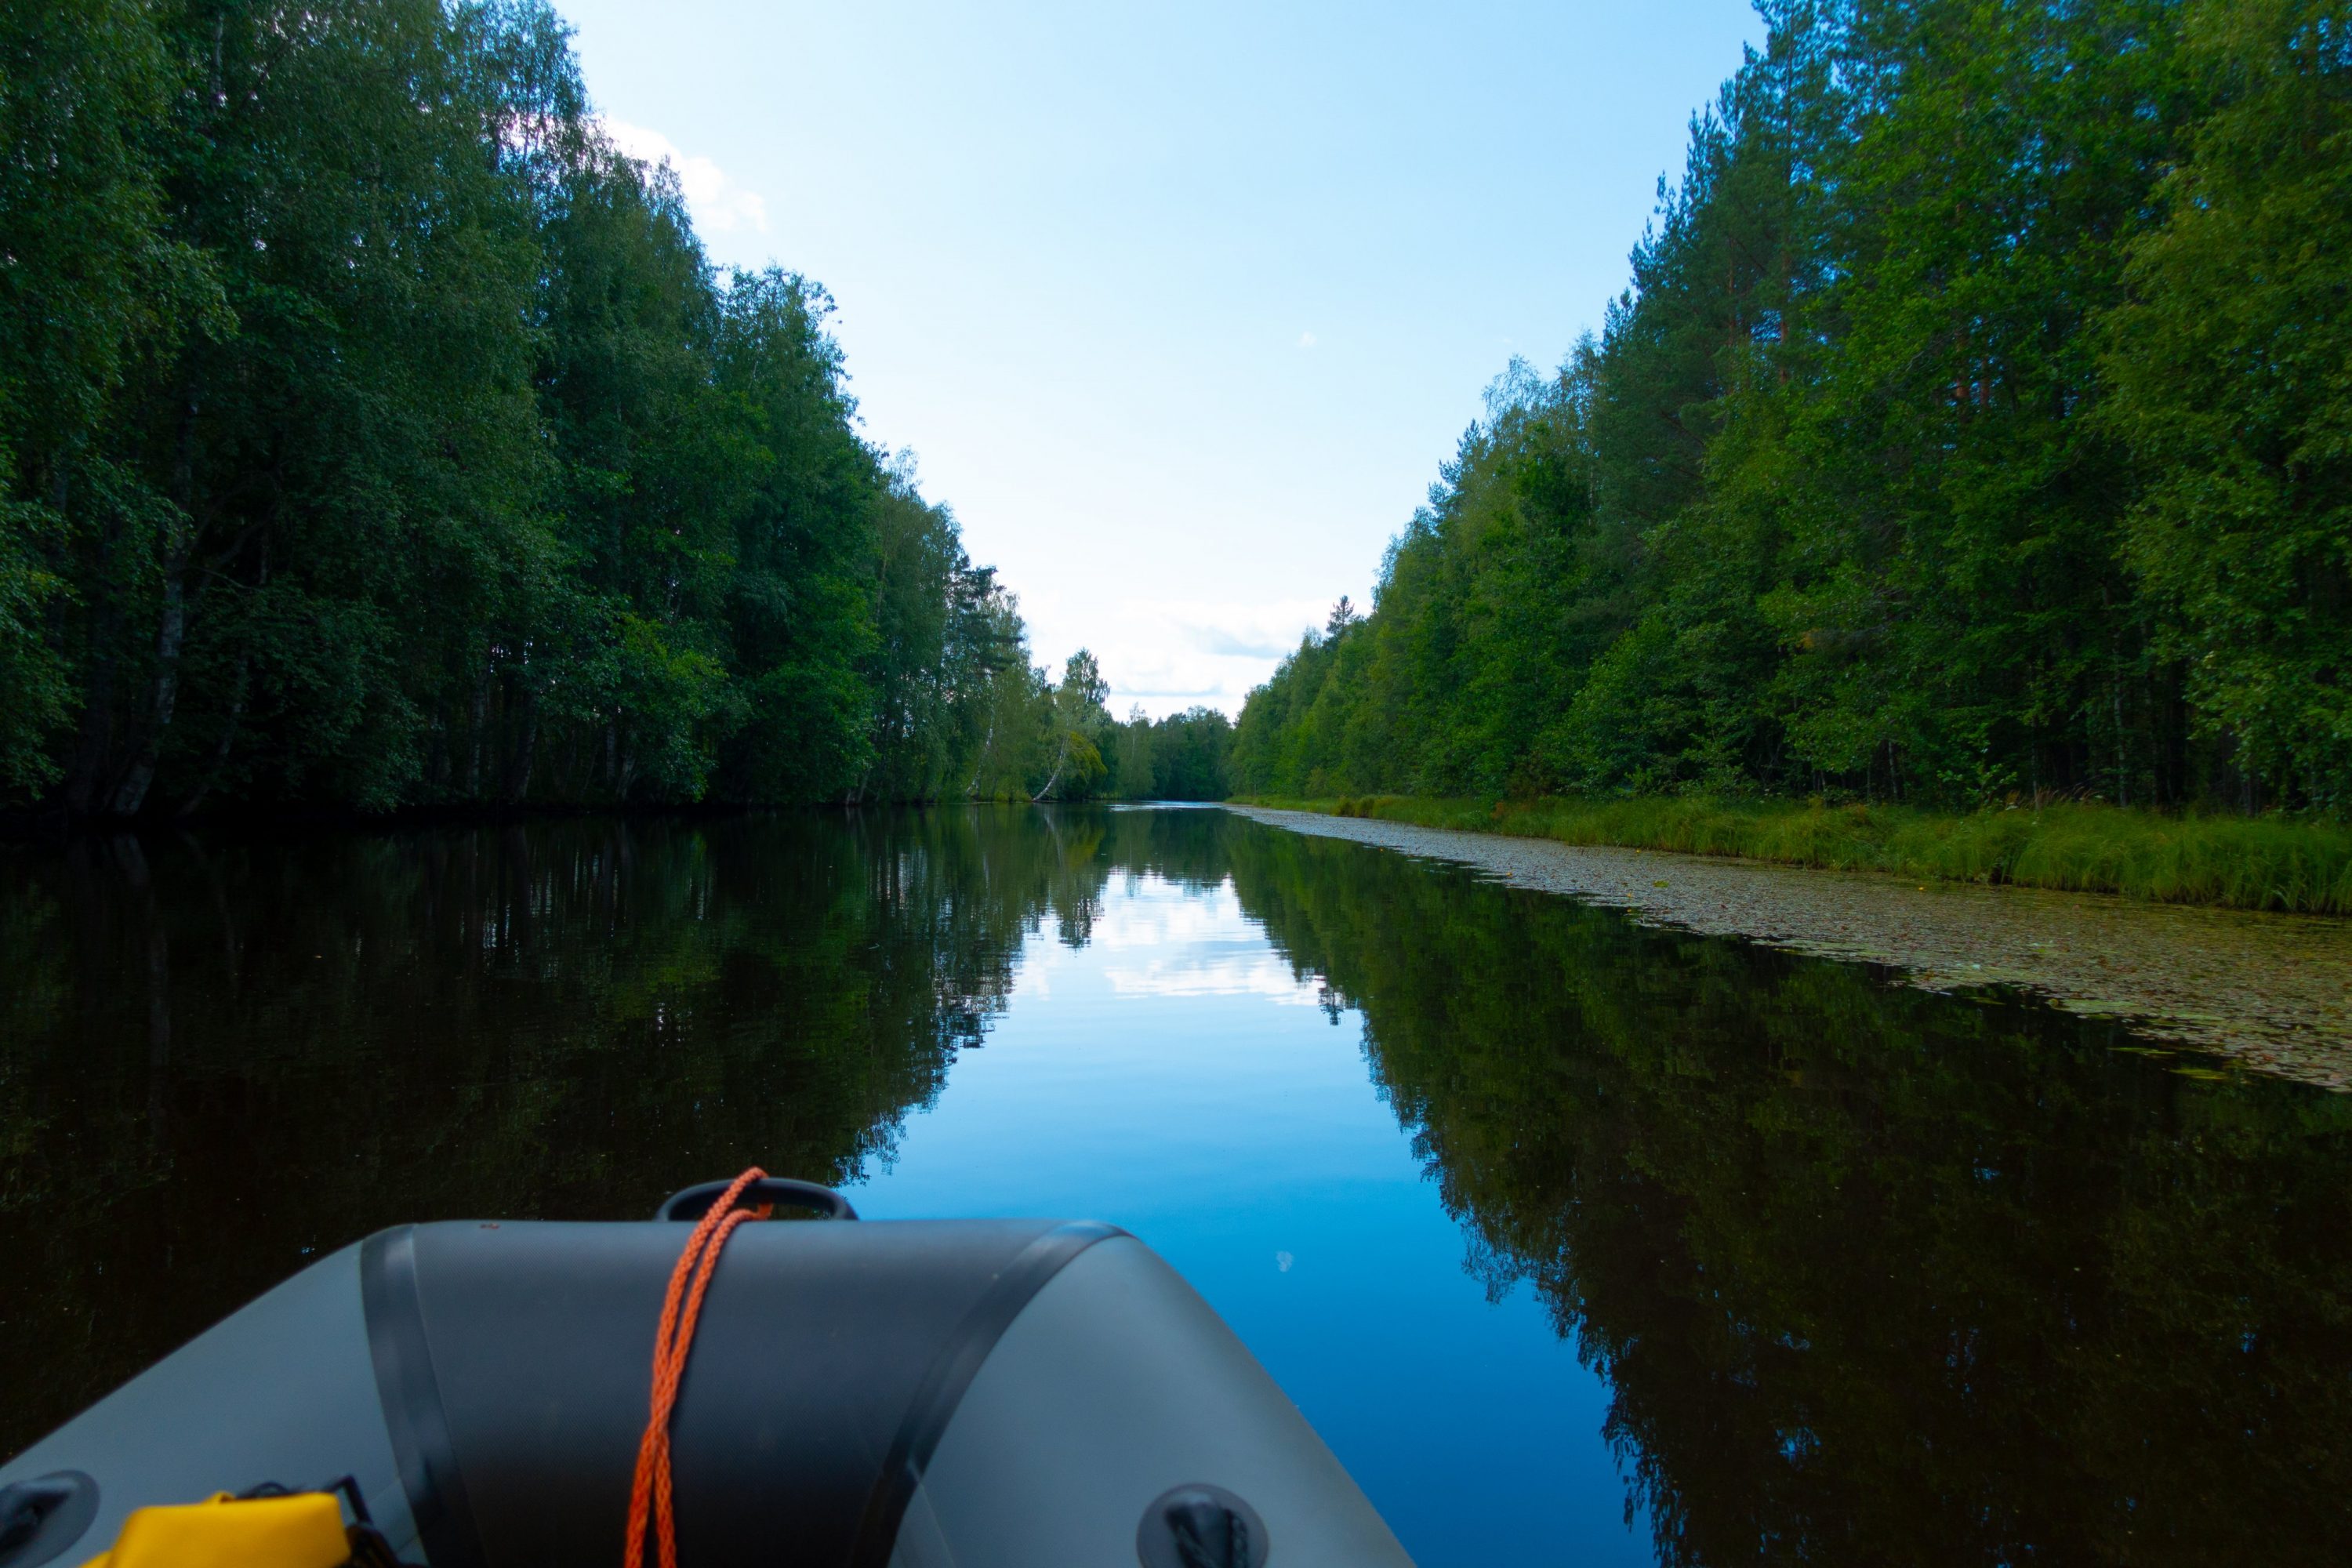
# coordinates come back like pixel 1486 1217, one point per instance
pixel 649 1495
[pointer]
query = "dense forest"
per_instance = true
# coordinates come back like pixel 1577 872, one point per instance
pixel 1978 427
pixel 373 433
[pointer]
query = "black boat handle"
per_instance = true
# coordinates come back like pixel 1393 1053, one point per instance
pixel 41 1517
pixel 696 1201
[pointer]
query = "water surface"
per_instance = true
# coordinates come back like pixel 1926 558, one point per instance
pixel 1581 1242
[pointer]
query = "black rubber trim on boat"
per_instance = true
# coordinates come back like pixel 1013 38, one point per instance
pixel 411 1396
pixel 951 1371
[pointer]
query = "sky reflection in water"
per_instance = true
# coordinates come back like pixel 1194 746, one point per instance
pixel 1174 1075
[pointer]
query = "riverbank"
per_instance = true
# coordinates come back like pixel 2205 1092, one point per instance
pixel 2272 993
pixel 2235 862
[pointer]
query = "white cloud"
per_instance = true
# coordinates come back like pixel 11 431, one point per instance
pixel 719 205
pixel 1306 340
pixel 1265 976
pixel 1158 915
pixel 1242 630
pixel 1224 642
pixel 1168 654
pixel 1174 943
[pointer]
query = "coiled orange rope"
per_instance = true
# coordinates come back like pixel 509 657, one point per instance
pixel 649 1496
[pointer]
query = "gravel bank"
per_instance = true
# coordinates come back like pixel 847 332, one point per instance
pixel 2272 993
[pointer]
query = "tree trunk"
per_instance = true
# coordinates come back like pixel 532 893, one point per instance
pixel 171 633
pixel 474 738
pixel 170 624
pixel 1056 776
pixel 987 743
pixel 97 738
pixel 517 782
pixel 94 748
pixel 236 709
pixel 221 748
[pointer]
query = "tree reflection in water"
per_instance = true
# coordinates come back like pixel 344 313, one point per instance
pixel 1877 1275
pixel 218 1060
pixel 1874 1275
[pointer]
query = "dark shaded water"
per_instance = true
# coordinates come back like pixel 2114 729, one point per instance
pixel 1579 1242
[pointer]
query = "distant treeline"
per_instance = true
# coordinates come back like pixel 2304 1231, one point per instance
pixel 1978 426
pixel 1088 755
pixel 373 433
pixel 1185 756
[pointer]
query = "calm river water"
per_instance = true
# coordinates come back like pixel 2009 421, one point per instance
pixel 1581 1243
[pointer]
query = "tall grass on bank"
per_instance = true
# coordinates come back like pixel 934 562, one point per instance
pixel 2252 863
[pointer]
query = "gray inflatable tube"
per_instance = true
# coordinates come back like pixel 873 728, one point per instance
pixel 1000 1393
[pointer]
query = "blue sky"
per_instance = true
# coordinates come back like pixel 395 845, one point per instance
pixel 1179 307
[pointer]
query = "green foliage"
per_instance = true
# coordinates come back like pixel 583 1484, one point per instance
pixel 1976 423
pixel 1185 756
pixel 1077 725
pixel 945 633
pixel 2230 368
pixel 86 273
pixel 33 689
pixel 373 433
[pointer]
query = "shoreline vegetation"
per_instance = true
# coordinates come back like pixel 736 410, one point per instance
pixel 1973 429
pixel 233 821
pixel 376 435
pixel 2190 982
pixel 2269 863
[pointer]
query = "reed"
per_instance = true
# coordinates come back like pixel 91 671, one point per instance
pixel 2273 862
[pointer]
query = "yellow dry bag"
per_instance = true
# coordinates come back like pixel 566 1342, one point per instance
pixel 296 1530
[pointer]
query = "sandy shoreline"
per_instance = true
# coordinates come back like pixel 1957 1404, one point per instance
pixel 2271 992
